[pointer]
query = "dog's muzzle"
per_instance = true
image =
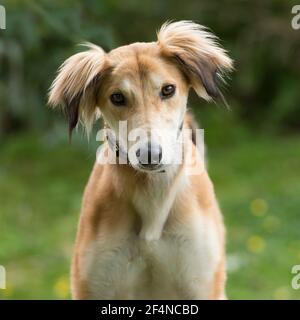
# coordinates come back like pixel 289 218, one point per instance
pixel 149 155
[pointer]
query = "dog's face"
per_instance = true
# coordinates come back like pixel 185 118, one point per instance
pixel 144 84
pixel 149 92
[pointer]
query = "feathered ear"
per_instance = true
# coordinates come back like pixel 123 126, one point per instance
pixel 75 87
pixel 197 53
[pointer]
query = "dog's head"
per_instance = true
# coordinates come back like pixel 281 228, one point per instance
pixel 145 84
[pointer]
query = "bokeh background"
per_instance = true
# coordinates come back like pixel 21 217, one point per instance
pixel 253 150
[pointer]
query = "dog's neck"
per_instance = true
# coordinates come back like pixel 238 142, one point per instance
pixel 154 204
pixel 151 195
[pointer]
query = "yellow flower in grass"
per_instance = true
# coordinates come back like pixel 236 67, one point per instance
pixel 61 287
pixel 7 292
pixel 259 207
pixel 256 244
pixel 282 293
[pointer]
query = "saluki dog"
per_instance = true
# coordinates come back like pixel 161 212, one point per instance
pixel 150 227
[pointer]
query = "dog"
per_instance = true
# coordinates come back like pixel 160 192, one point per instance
pixel 146 230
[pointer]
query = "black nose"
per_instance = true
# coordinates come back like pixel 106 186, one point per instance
pixel 149 155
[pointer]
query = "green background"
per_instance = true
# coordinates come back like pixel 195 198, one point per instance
pixel 253 149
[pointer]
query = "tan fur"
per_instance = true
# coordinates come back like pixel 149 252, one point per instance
pixel 146 235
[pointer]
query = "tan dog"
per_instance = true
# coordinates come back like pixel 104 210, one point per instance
pixel 147 230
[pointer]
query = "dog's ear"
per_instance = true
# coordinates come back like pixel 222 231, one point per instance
pixel 76 85
pixel 197 53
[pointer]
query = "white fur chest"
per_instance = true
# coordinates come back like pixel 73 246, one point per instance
pixel 179 265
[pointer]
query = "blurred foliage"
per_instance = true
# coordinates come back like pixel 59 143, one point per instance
pixel 264 90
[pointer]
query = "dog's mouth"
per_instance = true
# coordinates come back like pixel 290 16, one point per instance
pixel 150 168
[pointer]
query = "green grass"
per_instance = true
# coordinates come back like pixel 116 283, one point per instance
pixel 257 183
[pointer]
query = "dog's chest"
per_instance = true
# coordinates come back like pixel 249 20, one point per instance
pixel 179 265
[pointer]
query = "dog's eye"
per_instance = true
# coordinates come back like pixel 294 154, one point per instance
pixel 118 99
pixel 167 91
